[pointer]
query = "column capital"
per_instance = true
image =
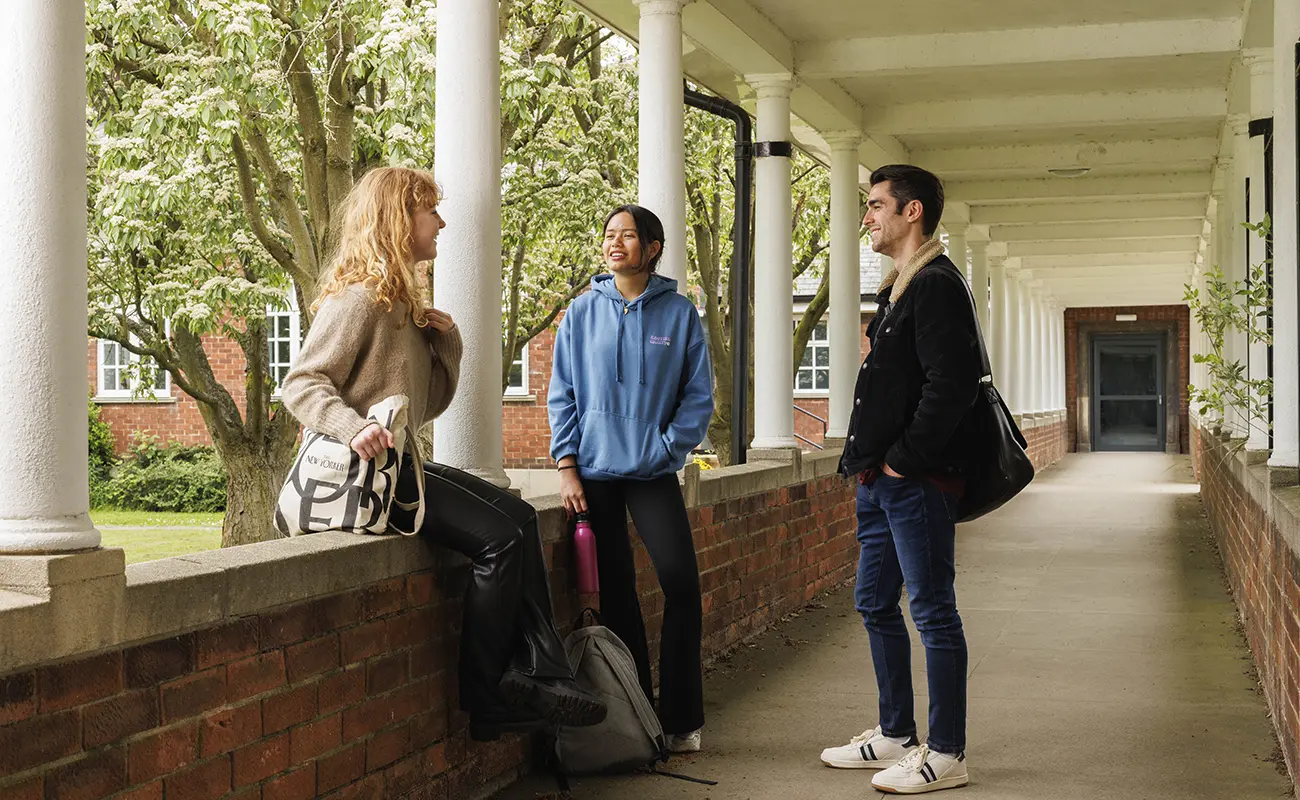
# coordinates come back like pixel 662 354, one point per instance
pixel 1239 124
pixel 1259 60
pixel 981 245
pixel 956 227
pixel 839 141
pixel 771 84
pixel 657 8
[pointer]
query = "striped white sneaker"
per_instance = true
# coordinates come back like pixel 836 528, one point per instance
pixel 921 771
pixel 868 750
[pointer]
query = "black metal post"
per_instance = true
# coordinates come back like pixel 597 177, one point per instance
pixel 726 109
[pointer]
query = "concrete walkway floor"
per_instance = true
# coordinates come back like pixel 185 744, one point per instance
pixel 1105 663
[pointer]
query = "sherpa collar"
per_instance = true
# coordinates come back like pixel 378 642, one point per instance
pixel 899 279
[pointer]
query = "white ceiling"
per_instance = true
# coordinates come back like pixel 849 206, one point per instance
pixel 990 94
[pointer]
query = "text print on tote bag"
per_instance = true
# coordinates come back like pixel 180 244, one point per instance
pixel 330 488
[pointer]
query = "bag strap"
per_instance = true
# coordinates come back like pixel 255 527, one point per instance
pixel 419 488
pixel 654 769
pixel 986 366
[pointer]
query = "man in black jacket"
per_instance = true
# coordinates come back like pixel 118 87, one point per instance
pixel 908 445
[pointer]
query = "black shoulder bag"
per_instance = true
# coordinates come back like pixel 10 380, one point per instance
pixel 999 467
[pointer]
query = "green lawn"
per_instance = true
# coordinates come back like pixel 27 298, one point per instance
pixel 151 535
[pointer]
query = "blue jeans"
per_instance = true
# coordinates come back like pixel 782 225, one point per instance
pixel 906 532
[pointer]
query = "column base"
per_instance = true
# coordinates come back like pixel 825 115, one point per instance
pixel 496 476
pixel 774 443
pixel 57 535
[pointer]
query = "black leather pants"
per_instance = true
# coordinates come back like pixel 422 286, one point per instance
pixel 508 621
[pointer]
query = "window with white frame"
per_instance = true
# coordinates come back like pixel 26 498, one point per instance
pixel 283 338
pixel 119 372
pixel 517 384
pixel 814 374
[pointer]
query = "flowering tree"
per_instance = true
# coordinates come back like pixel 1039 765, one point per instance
pixel 222 135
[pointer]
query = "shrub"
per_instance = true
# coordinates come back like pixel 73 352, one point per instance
pixel 103 456
pixel 171 478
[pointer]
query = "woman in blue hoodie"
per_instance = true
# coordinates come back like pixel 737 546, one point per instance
pixel 631 395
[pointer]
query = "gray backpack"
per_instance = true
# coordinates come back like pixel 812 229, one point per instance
pixel 630 738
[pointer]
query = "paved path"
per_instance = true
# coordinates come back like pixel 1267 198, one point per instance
pixel 1105 663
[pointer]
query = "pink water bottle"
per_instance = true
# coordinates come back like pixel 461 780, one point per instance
pixel 584 548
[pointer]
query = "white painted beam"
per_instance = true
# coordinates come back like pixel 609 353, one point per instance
pixel 1106 298
pixel 1092 231
pixel 848 57
pixel 1152 272
pixel 1165 184
pixel 1185 247
pixel 1149 153
pixel 1088 212
pixel 1127 260
pixel 1029 112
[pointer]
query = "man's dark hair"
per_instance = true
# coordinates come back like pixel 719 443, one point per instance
pixel 648 230
pixel 908 183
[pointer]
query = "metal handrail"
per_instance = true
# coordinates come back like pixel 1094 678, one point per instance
pixel 825 427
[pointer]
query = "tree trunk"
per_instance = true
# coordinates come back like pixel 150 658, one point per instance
pixel 253 482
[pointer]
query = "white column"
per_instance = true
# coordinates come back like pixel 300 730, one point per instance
pixel 1260 65
pixel 1037 353
pixel 997 338
pixel 44 493
pixel 1286 235
pixel 957 245
pixel 1014 344
pixel 979 281
pixel 846 279
pixel 662 149
pixel 1057 394
pixel 1239 128
pixel 467 274
pixel 774 249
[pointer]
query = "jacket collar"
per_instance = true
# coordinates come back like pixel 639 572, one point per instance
pixel 897 280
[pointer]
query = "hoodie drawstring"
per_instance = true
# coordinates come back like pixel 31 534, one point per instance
pixel 618 347
pixel 640 320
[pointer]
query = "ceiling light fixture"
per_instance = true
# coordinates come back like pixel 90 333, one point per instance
pixel 1069 172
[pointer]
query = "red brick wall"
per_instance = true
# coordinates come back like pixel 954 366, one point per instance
pixel 525 429
pixel 1148 318
pixel 1047 444
pixel 175 420
pixel 354 695
pixel 1264 573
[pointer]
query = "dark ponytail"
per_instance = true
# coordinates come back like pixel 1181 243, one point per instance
pixel 648 230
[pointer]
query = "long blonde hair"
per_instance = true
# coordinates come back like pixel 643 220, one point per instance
pixel 374 246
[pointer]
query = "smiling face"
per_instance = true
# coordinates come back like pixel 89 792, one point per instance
pixel 623 248
pixel 425 225
pixel 886 221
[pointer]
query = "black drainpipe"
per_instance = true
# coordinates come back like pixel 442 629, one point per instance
pixel 726 109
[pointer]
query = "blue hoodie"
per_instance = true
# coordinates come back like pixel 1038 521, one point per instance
pixel 631 387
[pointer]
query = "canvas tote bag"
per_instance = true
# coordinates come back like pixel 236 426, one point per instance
pixel 330 488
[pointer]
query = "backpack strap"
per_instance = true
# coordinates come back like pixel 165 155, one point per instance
pixel 627 678
pixel 654 769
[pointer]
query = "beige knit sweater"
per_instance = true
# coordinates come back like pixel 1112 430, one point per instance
pixel 358 353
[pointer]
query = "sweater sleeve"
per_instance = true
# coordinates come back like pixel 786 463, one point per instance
pixel 690 423
pixel 561 401
pixel 445 374
pixel 338 334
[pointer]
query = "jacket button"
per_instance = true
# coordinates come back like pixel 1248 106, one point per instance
pixel 857 401
pixel 851 438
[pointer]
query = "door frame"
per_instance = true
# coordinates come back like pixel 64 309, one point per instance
pixel 1147 341
pixel 1082 332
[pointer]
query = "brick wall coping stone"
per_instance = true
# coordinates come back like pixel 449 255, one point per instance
pixel 1273 489
pixel 56 607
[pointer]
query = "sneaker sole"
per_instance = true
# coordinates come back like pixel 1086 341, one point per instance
pixel 556 705
pixel 858 764
pixel 936 786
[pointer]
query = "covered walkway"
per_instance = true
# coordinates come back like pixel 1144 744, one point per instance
pixel 1105 663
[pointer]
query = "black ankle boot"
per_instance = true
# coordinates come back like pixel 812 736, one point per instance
pixel 560 701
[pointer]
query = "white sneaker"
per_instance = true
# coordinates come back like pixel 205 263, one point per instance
pixel 684 742
pixel 868 750
pixel 921 771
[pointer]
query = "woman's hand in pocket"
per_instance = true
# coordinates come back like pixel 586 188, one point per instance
pixel 372 442
pixel 575 500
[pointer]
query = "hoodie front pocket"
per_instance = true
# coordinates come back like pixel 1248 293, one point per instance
pixel 621 445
